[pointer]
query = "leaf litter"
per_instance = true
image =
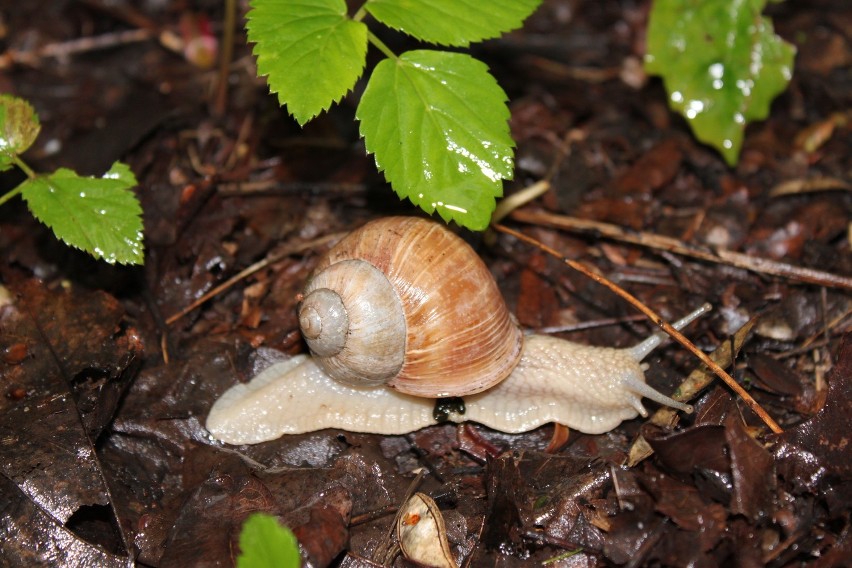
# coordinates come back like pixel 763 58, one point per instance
pixel 106 462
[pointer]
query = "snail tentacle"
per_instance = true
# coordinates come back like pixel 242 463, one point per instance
pixel 643 348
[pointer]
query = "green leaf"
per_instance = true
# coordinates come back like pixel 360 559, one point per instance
pixel 311 51
pixel 265 543
pixel 98 215
pixel 19 128
pixel 437 123
pixel 721 63
pixel 452 22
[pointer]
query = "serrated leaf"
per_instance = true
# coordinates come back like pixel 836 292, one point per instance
pixel 310 51
pixel 265 543
pixel 437 123
pixel 98 215
pixel 19 127
pixel 721 63
pixel 452 22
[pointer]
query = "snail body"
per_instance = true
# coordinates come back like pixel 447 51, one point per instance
pixel 508 382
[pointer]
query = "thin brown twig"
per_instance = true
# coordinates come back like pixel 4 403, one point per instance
pixel 220 101
pixel 260 265
pixel 660 242
pixel 656 319
pixel 665 417
pixel 65 49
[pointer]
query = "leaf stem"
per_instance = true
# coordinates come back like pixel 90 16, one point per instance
pixel 10 195
pixel 380 44
pixel 360 14
pixel 27 170
pixel 23 165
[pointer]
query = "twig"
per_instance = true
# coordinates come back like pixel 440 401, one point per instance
pixel 373 515
pixel 698 380
pixel 275 187
pixel 519 199
pixel 225 56
pixel 658 321
pixel 65 49
pixel 659 242
pixel 589 324
pixel 260 265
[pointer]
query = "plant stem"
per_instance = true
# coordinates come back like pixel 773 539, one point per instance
pixel 360 15
pixel 27 170
pixel 10 195
pixel 227 53
pixel 23 165
pixel 382 47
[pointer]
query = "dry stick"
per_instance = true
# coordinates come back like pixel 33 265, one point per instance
pixel 65 49
pixel 659 242
pixel 260 265
pixel 654 317
pixel 227 54
pixel 697 381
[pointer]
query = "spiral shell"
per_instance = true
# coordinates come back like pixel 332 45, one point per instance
pixel 422 312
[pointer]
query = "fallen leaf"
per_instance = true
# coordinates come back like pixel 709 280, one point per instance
pixel 813 457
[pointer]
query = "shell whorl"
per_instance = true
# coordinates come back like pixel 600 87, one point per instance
pixel 459 337
pixel 353 322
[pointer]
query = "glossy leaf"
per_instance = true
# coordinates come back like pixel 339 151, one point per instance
pixel 265 543
pixel 452 22
pixel 721 63
pixel 19 127
pixel 437 123
pixel 311 52
pixel 98 215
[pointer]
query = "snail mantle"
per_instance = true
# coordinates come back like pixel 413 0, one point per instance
pixel 401 312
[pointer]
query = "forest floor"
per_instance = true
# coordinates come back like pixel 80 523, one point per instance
pixel 105 458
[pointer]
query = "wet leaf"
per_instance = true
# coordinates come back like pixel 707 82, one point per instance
pixel 700 447
pixel 70 375
pixel 31 537
pixel 776 377
pixel 722 65
pixel 216 509
pixel 813 457
pixel 311 52
pixel 752 471
pixel 503 519
pixel 451 22
pixel 265 543
pixel 322 525
pixel 688 508
pixel 437 123
pixel 19 127
pixel 76 337
pixel 98 215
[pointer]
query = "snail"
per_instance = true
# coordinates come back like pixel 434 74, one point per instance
pixel 401 312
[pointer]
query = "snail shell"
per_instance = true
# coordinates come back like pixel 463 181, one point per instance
pixel 406 302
